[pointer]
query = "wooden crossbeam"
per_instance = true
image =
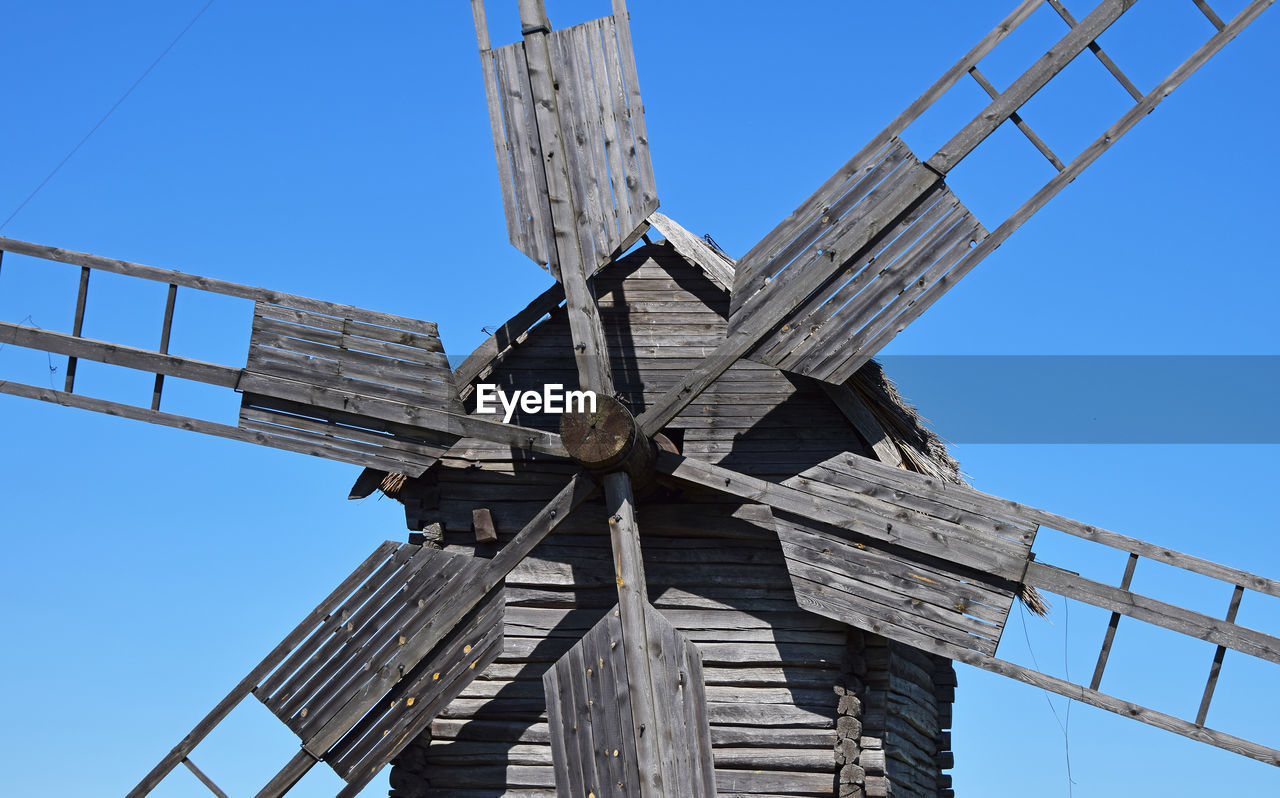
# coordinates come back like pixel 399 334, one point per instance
pixel 1210 14
pixel 166 328
pixel 1218 654
pixel 1017 120
pixel 1096 49
pixel 1110 636
pixel 77 327
pixel 204 779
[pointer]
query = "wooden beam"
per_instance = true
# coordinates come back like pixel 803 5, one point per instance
pixel 482 525
pixel 119 355
pixel 590 350
pixel 864 423
pixel 633 597
pixel 289 775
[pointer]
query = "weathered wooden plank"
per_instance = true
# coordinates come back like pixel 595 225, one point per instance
pixel 288 776
pixel 305 339
pixel 857 414
pixel 614 131
pixel 119 355
pixel 269 663
pixel 358 328
pixel 623 75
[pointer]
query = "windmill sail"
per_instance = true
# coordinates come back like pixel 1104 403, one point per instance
pixel 573 160
pixel 344 383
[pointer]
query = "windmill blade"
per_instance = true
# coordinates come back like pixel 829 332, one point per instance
pixel 334 381
pixel 594 748
pixel 892 551
pixel 569 136
pixel 884 237
pixel 382 655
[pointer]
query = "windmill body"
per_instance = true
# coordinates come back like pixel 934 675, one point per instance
pixel 686 479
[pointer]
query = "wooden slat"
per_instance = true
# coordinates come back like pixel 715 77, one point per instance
pixel 435 681
pixel 204 779
pixel 277 654
pixel 494 101
pixel 77 325
pixel 1216 668
pixel 1110 635
pixel 194 425
pixel 584 143
pixel 288 776
pixel 1018 121
pixel 619 27
pixel 615 132
pixel 593 745
pixel 166 328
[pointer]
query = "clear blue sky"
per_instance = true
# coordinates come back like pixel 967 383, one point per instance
pixel 342 151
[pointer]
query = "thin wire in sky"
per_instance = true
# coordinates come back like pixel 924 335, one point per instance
pixel 110 111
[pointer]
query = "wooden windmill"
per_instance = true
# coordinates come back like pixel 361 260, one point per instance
pixel 870 543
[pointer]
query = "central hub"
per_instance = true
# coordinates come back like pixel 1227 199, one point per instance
pixel 600 440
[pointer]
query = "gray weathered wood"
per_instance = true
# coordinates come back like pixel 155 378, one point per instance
pixel 204 779
pixel 712 263
pixel 1110 635
pixel 1018 121
pixel 166 328
pixel 1212 682
pixel 288 776
pixel 77 325
pixel 1105 59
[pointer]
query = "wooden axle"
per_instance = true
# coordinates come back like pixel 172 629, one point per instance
pixel 608 440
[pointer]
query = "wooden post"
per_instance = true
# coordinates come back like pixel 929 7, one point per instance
pixel 633 597
pixel 165 330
